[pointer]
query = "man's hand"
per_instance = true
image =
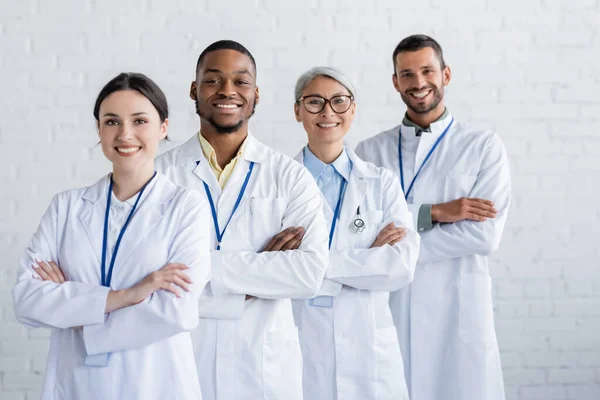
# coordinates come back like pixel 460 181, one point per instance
pixel 463 209
pixel 288 239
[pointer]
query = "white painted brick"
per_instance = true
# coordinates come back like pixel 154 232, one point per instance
pixel 577 93
pixel 525 376
pixel 508 289
pixel 588 359
pixel 13 364
pixel 511 359
pixel 581 307
pixel 581 392
pixel 537 290
pixel 547 392
pixel 550 324
pixel 511 392
pixel 570 375
pixel 524 94
pixel 548 359
pixel 57 43
pixel 24 380
pixel 11 330
pixel 540 309
pixel 23 346
pixel 38 363
pixel 522 343
pixel 588 341
pixel 570 5
pixel 12 395
pixel 33 395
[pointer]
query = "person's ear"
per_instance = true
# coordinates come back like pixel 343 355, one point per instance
pixel 395 82
pixel 164 129
pixel 193 88
pixel 447 75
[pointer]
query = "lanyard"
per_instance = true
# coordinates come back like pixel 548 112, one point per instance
pixel 237 203
pixel 336 214
pixel 407 192
pixel 107 278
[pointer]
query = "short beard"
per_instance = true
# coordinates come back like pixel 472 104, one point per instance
pixel 225 129
pixel 438 96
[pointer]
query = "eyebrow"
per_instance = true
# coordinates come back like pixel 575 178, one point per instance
pixel 238 72
pixel 117 115
pixel 423 67
pixel 334 95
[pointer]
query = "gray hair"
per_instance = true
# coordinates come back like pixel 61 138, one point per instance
pixel 330 72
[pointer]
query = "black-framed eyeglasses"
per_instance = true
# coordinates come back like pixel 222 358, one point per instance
pixel 315 104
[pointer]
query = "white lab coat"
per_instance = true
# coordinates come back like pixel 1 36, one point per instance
pixel 150 344
pixel 351 350
pixel 445 317
pixel 250 349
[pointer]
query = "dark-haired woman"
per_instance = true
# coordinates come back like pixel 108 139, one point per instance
pixel 115 269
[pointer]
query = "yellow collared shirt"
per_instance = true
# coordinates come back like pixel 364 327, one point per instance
pixel 222 174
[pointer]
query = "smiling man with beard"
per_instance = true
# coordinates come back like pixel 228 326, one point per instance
pixel 269 236
pixel 456 182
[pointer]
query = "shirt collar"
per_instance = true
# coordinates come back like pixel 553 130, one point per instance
pixel 342 164
pixel 211 155
pixel 418 130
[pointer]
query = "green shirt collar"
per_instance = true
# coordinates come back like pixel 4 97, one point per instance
pixel 418 130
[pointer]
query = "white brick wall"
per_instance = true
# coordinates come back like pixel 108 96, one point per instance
pixel 530 70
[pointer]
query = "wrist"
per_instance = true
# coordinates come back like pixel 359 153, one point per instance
pixel 434 213
pixel 117 299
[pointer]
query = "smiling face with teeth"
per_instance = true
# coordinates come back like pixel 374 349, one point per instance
pixel 420 80
pixel 130 130
pixel 326 127
pixel 225 92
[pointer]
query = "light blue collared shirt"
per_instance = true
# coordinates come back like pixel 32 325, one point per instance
pixel 329 177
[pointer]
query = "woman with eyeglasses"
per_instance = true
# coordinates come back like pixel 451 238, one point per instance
pixel 115 269
pixel 349 343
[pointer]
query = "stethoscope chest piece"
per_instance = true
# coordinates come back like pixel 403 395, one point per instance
pixel 358 224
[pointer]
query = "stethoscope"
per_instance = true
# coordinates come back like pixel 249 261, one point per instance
pixel 358 225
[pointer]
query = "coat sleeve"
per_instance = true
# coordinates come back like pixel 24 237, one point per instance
pixel 280 274
pixel 386 268
pixel 464 238
pixel 228 306
pixel 162 314
pixel 47 304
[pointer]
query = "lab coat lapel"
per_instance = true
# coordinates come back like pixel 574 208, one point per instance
pixel 206 175
pixel 254 151
pixel 428 140
pixel 93 212
pixel 327 211
pixel 147 215
pixel 355 194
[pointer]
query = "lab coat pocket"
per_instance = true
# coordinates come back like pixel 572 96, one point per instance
pixel 389 365
pixel 264 221
pixel 282 365
pixel 372 219
pixel 476 315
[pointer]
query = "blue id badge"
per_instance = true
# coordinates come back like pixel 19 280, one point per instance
pixel 322 301
pixel 97 360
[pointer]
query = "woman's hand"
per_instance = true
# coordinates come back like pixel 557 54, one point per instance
pixel 389 235
pixel 171 278
pixel 49 271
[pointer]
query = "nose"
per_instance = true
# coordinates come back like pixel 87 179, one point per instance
pixel 125 132
pixel 227 88
pixel 420 81
pixel 327 110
